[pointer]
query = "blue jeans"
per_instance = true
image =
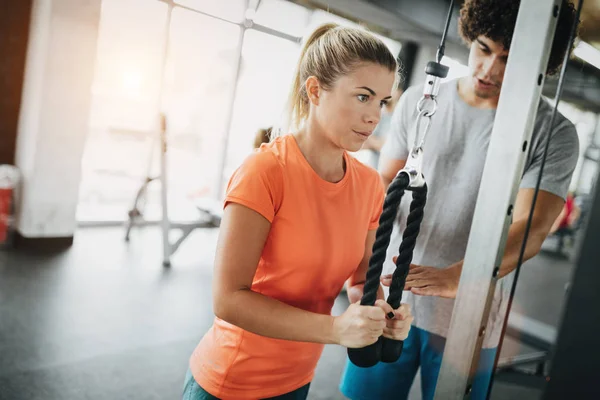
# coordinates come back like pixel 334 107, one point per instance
pixel 193 391
pixel 393 381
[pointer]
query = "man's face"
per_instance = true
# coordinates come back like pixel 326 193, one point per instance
pixel 487 62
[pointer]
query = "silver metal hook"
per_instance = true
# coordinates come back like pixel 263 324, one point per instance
pixel 422 102
pixel 422 114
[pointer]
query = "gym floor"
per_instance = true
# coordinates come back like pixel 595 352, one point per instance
pixel 104 319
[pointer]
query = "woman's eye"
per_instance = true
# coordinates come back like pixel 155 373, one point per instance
pixel 383 103
pixel 363 98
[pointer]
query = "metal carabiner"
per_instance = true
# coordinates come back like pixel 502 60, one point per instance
pixel 414 164
pixel 422 114
pixel 413 168
pixel 422 102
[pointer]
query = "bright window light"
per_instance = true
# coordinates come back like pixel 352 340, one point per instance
pixel 457 69
pixel 588 53
pixel 132 81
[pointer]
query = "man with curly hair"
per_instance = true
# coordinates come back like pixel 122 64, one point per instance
pixel 455 154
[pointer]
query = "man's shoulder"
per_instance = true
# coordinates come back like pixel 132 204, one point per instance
pixel 561 123
pixel 564 139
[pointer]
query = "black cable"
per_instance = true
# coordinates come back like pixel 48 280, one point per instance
pixel 442 48
pixel 535 195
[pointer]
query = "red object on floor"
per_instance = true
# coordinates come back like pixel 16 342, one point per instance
pixel 569 206
pixel 5 210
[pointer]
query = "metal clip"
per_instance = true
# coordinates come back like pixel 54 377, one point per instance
pixel 414 167
pixel 432 86
pixel 422 114
pixel 414 163
pixel 422 102
pixel 431 89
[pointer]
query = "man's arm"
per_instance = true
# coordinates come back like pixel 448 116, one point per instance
pixel 557 221
pixel 374 143
pixel 429 281
pixel 547 208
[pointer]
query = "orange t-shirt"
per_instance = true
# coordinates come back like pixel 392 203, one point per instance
pixel 316 241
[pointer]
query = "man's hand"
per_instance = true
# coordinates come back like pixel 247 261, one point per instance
pixel 430 281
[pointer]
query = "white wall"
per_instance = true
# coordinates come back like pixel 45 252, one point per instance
pixel 54 114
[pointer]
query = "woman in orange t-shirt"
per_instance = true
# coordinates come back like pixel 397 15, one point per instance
pixel 299 221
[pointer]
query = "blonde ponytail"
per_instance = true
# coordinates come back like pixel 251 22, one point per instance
pixel 298 101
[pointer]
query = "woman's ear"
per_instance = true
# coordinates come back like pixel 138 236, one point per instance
pixel 313 90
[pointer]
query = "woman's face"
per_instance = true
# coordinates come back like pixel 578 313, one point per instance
pixel 350 110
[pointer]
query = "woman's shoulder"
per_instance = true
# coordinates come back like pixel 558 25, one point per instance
pixel 274 152
pixel 268 157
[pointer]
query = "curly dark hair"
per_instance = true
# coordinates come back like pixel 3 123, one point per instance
pixel 496 20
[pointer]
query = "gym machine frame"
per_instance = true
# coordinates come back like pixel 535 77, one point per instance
pixel 511 135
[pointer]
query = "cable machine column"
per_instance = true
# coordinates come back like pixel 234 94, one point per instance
pixel 511 134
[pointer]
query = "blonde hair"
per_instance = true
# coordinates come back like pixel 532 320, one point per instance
pixel 332 51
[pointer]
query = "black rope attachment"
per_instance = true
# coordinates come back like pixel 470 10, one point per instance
pixel 409 178
pixel 385 349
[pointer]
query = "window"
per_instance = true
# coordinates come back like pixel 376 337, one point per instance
pixel 585 122
pixel 231 10
pixel 192 85
pixel 268 65
pixel 125 96
pixel 320 17
pixel 457 69
pixel 198 88
pixel 196 93
pixel 282 16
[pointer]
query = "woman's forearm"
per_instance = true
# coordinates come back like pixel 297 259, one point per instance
pixel 269 317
